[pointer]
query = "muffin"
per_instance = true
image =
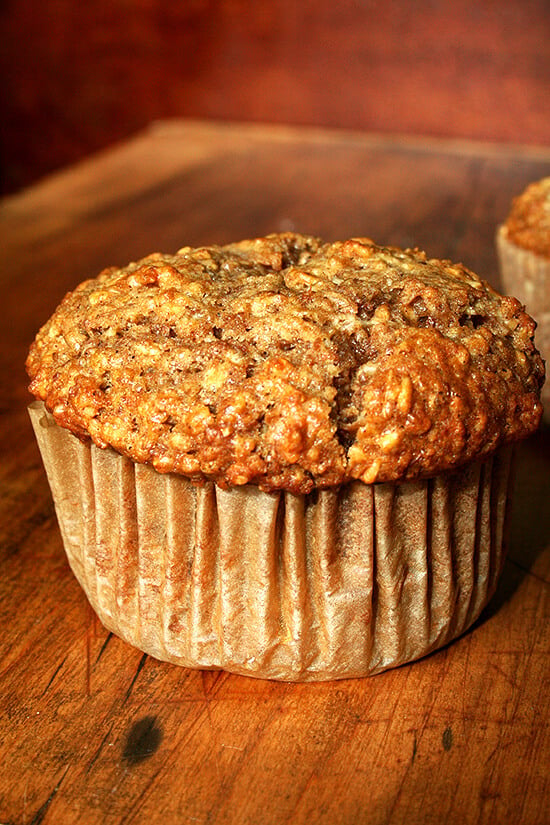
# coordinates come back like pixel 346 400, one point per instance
pixel 523 245
pixel 284 457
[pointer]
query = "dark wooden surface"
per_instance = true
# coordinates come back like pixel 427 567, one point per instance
pixel 78 76
pixel 95 732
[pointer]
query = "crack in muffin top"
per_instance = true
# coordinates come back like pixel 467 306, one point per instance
pixel 291 363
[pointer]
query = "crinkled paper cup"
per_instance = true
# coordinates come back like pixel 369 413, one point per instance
pixel 526 276
pixel 340 583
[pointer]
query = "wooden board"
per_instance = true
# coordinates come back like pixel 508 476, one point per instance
pixel 480 70
pixel 95 732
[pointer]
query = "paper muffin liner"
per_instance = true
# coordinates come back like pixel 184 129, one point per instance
pixel 339 583
pixel 526 276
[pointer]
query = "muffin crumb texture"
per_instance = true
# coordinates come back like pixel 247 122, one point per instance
pixel 291 363
pixel 528 224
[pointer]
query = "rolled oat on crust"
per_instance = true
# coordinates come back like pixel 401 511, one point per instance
pixel 291 363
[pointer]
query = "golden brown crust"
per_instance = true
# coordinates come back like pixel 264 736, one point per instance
pixel 528 224
pixel 291 363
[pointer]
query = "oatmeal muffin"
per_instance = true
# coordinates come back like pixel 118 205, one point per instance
pixel 284 457
pixel 523 245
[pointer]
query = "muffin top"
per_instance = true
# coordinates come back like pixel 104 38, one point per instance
pixel 528 224
pixel 291 363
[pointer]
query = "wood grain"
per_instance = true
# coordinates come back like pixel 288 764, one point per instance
pixel 105 69
pixel 95 732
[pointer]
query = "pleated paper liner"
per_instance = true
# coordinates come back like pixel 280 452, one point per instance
pixel 336 584
pixel 526 276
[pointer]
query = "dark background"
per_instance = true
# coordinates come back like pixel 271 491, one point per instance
pixel 78 76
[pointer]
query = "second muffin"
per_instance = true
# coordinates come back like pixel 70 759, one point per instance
pixel 523 246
